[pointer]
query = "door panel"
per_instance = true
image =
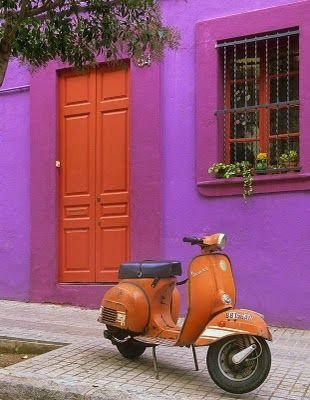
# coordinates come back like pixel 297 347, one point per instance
pixel 77 95
pixel 77 261
pixel 94 174
pixel 76 155
pixel 77 88
pixel 114 151
pixel 115 238
pixel 113 84
pixel 112 173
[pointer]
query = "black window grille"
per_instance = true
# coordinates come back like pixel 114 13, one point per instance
pixel 260 113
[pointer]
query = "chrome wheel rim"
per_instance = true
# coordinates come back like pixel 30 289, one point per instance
pixel 236 372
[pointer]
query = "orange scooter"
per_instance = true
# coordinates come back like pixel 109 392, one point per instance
pixel 142 311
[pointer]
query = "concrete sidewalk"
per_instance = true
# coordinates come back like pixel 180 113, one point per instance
pixel 90 368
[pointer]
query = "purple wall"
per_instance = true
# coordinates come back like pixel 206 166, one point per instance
pixel 14 186
pixel 269 236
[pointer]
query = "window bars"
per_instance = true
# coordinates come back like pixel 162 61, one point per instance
pixel 260 111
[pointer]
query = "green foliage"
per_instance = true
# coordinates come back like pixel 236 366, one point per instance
pixel 76 31
pixel 289 156
pixel 242 169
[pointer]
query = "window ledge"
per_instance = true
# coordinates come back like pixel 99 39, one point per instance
pixel 288 182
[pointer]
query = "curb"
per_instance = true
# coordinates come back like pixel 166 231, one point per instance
pixel 15 388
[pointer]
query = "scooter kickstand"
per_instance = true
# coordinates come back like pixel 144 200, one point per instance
pixel 195 358
pixel 155 364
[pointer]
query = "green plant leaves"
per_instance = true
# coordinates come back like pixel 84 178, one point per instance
pixel 76 31
pixel 242 169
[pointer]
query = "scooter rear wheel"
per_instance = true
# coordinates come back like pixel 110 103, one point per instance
pixel 243 377
pixel 131 349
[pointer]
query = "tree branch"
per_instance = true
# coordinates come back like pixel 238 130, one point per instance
pixel 23 9
pixel 5 48
pixel 47 6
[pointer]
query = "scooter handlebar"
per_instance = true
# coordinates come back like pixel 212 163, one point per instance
pixel 192 240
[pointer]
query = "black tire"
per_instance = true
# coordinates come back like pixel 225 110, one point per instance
pixel 243 377
pixel 131 349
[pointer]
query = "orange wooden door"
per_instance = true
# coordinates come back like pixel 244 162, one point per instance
pixel 112 245
pixel 94 174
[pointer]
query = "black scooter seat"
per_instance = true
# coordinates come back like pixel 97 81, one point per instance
pixel 149 269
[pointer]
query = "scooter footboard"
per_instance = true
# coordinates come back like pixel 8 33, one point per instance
pixel 234 322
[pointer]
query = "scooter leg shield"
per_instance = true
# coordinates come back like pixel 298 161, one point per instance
pixel 237 321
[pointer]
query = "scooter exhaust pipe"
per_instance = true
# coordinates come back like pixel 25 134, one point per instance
pixel 243 354
pixel 114 340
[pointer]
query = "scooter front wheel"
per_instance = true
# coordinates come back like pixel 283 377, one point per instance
pixel 242 377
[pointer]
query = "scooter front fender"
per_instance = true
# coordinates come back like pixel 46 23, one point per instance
pixel 234 322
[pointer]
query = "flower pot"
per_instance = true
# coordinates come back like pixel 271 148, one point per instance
pixel 290 164
pixel 261 165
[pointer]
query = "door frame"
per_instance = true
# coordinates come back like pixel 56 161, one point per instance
pixel 145 190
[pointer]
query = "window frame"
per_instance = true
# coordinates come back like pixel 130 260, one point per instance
pixel 210 96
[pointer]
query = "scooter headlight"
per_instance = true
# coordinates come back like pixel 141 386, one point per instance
pixel 226 299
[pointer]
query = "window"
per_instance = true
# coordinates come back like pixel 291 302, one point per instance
pixel 277 127
pixel 260 113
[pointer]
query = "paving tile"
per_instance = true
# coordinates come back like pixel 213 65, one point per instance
pixel 93 361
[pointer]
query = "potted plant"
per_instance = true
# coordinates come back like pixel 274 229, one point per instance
pixel 222 170
pixel 227 171
pixel 289 159
pixel 261 163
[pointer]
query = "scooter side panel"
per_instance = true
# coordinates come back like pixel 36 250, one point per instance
pixel 234 322
pixel 120 304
